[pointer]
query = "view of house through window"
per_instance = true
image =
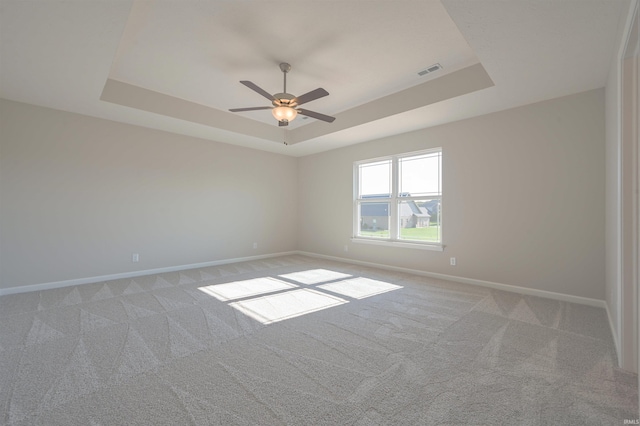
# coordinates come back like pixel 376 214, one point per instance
pixel 399 198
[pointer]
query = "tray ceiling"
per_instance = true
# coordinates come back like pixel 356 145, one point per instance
pixel 176 66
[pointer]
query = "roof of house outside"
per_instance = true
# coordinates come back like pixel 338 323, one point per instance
pixel 407 208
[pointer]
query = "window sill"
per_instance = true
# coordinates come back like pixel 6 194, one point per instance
pixel 402 244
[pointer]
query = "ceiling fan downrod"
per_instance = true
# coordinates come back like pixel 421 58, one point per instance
pixel 285 68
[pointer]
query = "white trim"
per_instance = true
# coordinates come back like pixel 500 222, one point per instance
pixel 394 199
pixel 498 286
pixel 401 154
pixel 629 340
pixel 489 284
pixel 89 280
pixel 394 205
pixel 395 243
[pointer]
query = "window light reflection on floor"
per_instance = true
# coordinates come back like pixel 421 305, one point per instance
pixel 289 300
pixel 314 276
pixel 359 288
pixel 246 288
pixel 281 306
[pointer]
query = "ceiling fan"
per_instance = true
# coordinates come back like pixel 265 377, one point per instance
pixel 285 105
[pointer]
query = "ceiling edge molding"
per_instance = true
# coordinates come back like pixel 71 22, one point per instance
pixel 458 83
pixel 132 96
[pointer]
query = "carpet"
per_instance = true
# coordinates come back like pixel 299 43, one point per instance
pixel 296 340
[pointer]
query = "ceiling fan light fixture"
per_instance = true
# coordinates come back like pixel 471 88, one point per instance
pixel 284 113
pixel 285 104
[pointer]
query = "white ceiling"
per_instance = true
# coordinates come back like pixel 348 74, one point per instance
pixel 176 65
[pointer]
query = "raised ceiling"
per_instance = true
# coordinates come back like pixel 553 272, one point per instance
pixel 176 66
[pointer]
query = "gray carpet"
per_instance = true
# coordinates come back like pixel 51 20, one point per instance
pixel 302 341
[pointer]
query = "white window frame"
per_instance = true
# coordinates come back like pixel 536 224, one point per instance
pixel 394 201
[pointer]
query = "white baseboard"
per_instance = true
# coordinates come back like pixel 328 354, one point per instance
pixel 498 286
pixel 89 280
pixel 482 283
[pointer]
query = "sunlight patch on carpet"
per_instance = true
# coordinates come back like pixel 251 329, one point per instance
pixel 315 276
pixel 359 288
pixel 280 300
pixel 246 288
pixel 282 306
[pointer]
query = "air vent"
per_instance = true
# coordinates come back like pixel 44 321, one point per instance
pixel 429 70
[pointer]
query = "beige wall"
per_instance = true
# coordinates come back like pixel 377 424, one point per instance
pixel 79 195
pixel 523 197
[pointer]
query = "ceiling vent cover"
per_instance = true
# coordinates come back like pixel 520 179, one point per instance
pixel 429 70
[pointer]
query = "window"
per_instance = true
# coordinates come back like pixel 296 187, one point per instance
pixel 398 200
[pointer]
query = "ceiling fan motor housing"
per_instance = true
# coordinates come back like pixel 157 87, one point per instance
pixel 285 67
pixel 284 99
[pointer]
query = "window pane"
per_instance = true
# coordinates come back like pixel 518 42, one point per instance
pixel 375 179
pixel 419 220
pixel 374 220
pixel 420 175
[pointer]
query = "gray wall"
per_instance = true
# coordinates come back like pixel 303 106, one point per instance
pixel 523 200
pixel 79 195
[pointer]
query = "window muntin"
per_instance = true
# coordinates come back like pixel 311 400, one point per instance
pixel 399 198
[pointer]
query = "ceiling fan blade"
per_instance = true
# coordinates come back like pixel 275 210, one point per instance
pixel 316 115
pixel 249 109
pixel 311 96
pixel 283 123
pixel 257 89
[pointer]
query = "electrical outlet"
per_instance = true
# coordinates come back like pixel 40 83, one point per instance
pixel 135 257
pixel 346 247
pixel 255 245
pixel 452 261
